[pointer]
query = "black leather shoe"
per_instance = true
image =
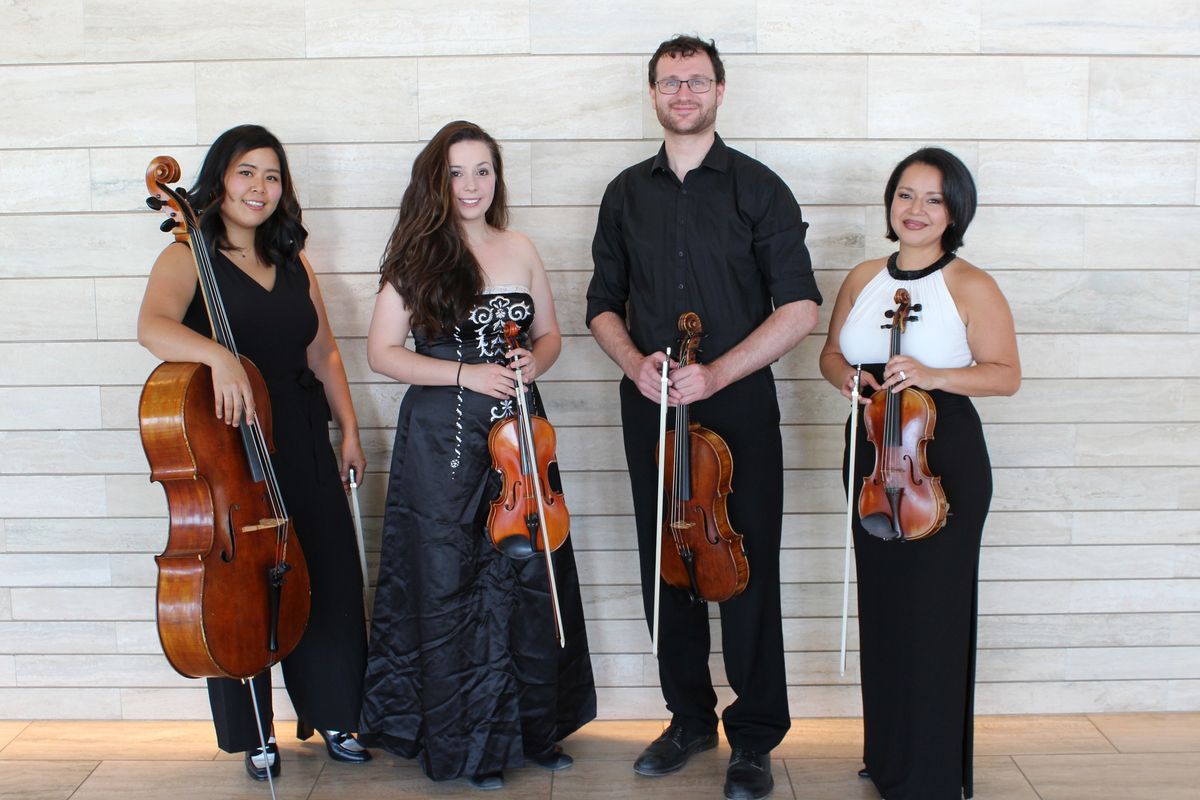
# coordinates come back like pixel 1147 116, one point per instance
pixel 749 775
pixel 273 759
pixel 342 746
pixel 552 758
pixel 487 781
pixel 862 773
pixel 669 752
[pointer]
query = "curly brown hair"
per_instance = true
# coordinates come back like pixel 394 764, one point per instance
pixel 427 259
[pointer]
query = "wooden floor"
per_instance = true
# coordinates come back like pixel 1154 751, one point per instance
pixel 1119 756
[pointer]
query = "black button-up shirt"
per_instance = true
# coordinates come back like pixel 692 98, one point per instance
pixel 727 243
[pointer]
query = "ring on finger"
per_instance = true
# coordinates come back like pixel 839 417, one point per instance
pixel 903 377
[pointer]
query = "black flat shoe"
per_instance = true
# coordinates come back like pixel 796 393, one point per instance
pixel 669 752
pixel 273 759
pixel 862 773
pixel 487 782
pixel 552 758
pixel 749 775
pixel 342 746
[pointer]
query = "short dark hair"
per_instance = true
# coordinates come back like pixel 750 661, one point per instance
pixel 280 238
pixel 958 192
pixel 681 46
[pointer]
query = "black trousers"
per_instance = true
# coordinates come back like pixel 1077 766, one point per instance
pixel 746 415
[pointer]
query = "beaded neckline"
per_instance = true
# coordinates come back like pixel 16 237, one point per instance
pixel 912 275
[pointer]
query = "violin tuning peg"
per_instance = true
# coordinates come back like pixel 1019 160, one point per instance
pixel 154 203
pixel 168 225
pixel 182 192
pixel 915 307
pixel 889 313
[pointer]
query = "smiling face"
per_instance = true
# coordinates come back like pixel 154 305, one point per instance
pixel 472 178
pixel 253 185
pixel 687 112
pixel 918 214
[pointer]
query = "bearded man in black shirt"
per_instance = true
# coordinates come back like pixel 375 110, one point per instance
pixel 701 227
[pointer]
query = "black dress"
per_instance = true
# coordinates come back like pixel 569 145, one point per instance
pixel 464 672
pixel 324 673
pixel 917 600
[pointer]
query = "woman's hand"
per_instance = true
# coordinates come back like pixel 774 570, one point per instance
pixel 494 380
pixel 867 379
pixel 520 357
pixel 231 389
pixel 901 372
pixel 352 458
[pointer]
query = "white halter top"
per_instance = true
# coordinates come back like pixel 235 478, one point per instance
pixel 937 338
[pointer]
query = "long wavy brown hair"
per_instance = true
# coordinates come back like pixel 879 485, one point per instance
pixel 427 259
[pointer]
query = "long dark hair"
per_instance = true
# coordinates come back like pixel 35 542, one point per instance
pixel 427 259
pixel 281 237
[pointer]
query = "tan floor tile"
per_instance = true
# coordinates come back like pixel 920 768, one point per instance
pixel 1150 733
pixel 1118 775
pixel 38 780
pixel 614 740
pixel 822 738
pixel 191 780
pixel 999 778
pixel 829 779
pixel 389 778
pixel 96 740
pixel 9 730
pixel 1038 734
pixel 701 779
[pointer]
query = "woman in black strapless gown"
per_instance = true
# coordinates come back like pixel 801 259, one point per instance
pixel 464 672
pixel 278 319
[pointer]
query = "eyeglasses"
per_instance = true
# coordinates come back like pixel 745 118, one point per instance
pixel 671 85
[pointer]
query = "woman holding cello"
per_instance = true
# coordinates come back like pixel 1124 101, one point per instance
pixel 249 213
pixel 917 597
pixel 465 670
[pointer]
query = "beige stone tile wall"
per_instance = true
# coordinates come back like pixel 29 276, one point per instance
pixel 1079 119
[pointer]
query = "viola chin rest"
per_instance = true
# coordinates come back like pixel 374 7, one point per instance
pixel 879 525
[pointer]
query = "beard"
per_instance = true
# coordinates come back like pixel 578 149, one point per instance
pixel 697 123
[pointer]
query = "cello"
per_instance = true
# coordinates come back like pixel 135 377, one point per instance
pixel 698 549
pixel 530 513
pixel 232 592
pixel 900 500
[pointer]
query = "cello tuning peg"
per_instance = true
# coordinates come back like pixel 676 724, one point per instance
pixel 182 192
pixel 889 313
pixel 915 307
pixel 168 225
pixel 154 203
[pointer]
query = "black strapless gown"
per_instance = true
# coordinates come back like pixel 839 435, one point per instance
pixel 464 672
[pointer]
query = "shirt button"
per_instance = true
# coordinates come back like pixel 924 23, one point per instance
pixel 680 286
pixel 681 254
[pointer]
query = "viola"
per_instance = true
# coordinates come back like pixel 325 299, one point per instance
pixel 701 552
pixel 530 513
pixel 233 593
pixel 901 500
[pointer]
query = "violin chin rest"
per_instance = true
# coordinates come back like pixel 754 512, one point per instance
pixel 516 547
pixel 879 525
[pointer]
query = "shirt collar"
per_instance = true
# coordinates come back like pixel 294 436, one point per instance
pixel 716 158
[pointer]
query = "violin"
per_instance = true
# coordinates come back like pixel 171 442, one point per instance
pixel 701 552
pixel 901 500
pixel 530 513
pixel 233 591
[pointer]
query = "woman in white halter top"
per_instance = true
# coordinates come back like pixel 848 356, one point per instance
pixel 917 599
